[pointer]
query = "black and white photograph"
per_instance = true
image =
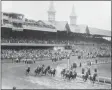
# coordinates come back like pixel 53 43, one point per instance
pixel 55 45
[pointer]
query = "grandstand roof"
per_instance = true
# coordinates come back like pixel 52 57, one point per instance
pixel 59 25
pixel 37 28
pixel 74 28
pixel 99 31
pixel 46 22
pixel 10 13
pixel 94 31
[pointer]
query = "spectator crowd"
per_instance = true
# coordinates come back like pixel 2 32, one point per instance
pixel 33 54
pixel 92 51
pixel 82 51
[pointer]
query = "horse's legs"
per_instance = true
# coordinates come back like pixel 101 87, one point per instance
pixel 93 81
pixel 26 72
pixel 52 74
pixel 83 78
pixel 44 72
pixel 69 78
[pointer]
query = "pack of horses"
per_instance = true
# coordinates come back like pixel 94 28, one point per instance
pixel 42 70
pixel 87 75
pixel 70 74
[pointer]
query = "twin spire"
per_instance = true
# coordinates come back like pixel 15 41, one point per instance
pixel 73 12
pixel 51 7
pixel 52 11
pixel 73 17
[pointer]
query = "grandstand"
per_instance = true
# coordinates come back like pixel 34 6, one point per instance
pixel 23 39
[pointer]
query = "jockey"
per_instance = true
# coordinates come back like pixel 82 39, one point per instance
pixel 80 64
pixel 83 70
pixel 52 69
pixel 89 72
pixel 42 67
pixel 95 70
pixel 68 71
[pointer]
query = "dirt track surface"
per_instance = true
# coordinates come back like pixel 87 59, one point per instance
pixel 14 75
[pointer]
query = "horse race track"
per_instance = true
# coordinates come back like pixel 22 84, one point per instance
pixel 13 74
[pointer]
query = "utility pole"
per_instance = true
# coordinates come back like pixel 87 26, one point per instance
pixel 68 63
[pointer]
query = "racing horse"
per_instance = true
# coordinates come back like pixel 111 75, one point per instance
pixel 27 70
pixel 71 75
pixel 45 70
pixel 85 76
pixel 52 72
pixel 37 71
pixel 93 78
pixel 63 72
pixel 68 74
pixel 74 75
pixel 41 70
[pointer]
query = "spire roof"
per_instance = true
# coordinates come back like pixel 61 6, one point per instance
pixel 51 7
pixel 73 12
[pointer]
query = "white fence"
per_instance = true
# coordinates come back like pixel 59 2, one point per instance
pixel 100 79
pixel 104 80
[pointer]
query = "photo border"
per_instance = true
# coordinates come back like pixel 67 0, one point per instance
pixel 46 0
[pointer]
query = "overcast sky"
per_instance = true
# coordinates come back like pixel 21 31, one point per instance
pixel 92 13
